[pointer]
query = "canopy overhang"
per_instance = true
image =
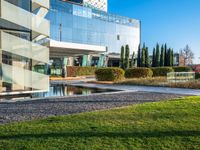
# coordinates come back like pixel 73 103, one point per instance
pixel 66 49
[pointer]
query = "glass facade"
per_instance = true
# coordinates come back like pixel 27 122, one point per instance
pixel 96 4
pixel 19 55
pixel 78 24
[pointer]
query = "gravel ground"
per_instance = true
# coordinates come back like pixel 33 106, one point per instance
pixel 29 110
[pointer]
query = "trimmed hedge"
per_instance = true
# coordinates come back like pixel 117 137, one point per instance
pixel 138 73
pixel 73 71
pixel 161 71
pixel 182 69
pixel 197 75
pixel 109 74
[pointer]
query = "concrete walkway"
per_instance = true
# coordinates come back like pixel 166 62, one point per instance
pixel 132 88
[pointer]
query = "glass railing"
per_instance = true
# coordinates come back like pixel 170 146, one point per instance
pixel 175 77
pixel 24 18
pixel 19 46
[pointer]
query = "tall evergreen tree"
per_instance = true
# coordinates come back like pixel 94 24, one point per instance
pixel 172 58
pixel 122 57
pixel 146 57
pixel 169 57
pixel 143 56
pixel 166 57
pixel 157 60
pixel 133 60
pixel 127 57
pixel 153 57
pixel 139 56
pixel 162 57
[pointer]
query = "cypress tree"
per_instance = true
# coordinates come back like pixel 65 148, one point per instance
pixel 162 57
pixel 127 57
pixel 166 57
pixel 146 57
pixel 172 58
pixel 157 60
pixel 143 56
pixel 133 60
pixel 122 58
pixel 139 57
pixel 169 57
pixel 153 57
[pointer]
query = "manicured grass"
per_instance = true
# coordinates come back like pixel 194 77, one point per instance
pixel 171 124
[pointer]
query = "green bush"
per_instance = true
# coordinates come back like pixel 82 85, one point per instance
pixel 182 69
pixel 109 74
pixel 138 73
pixel 161 71
pixel 86 71
pixel 73 71
pixel 197 75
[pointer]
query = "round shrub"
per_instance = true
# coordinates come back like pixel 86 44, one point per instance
pixel 197 75
pixel 138 73
pixel 109 74
pixel 161 71
pixel 74 71
pixel 86 71
pixel 182 69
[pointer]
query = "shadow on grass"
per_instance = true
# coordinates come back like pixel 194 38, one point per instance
pixel 103 134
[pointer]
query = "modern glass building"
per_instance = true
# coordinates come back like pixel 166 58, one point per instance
pixel 23 46
pixel 70 32
pixel 77 30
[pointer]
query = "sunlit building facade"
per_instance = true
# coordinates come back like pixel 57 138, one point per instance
pixel 82 32
pixel 38 35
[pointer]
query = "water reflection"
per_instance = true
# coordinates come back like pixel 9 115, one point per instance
pixel 58 91
pixel 67 90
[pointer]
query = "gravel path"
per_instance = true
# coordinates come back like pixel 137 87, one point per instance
pixel 29 110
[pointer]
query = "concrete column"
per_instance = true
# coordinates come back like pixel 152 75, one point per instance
pixel 64 67
pixel 89 60
pixel 102 61
pixel 70 61
pixel 86 60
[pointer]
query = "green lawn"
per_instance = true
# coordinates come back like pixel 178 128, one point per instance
pixel 171 124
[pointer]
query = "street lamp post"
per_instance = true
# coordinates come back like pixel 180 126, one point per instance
pixel 60 30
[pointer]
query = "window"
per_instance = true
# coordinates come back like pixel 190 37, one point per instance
pixel 118 37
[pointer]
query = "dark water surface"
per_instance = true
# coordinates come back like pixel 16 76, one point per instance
pixel 60 91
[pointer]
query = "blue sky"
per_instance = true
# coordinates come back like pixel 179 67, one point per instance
pixel 175 22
